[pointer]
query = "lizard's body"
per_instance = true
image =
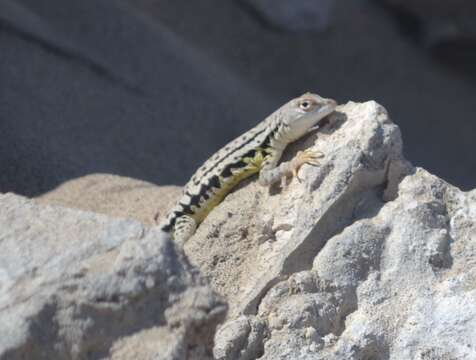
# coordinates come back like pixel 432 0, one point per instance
pixel 257 150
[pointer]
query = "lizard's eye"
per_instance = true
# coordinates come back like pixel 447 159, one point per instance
pixel 305 105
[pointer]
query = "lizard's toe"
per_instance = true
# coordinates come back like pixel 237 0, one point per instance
pixel 311 154
pixel 308 156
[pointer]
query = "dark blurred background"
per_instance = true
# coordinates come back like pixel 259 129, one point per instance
pixel 150 88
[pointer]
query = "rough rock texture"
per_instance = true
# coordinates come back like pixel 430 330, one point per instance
pixel 366 258
pixel 78 285
pixel 271 233
pixel 397 284
pixel 296 16
pixel 352 263
pixel 116 196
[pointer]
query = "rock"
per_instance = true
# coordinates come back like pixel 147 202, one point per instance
pixel 375 288
pixel 258 236
pixel 78 285
pixel 367 258
pixel 115 196
pixel 241 338
pixel 295 16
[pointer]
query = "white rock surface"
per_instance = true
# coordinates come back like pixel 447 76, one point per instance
pixel 258 236
pixel 352 263
pixel 366 258
pixel 400 284
pixel 78 285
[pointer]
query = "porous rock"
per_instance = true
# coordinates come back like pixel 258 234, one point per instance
pixel 78 285
pixel 366 258
pixel 259 235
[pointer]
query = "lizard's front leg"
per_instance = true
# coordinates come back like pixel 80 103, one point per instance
pixel 271 173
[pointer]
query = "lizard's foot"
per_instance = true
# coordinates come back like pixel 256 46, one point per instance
pixel 307 156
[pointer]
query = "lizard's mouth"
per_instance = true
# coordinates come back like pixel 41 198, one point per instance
pixel 327 110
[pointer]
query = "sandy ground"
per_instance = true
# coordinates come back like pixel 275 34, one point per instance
pixel 115 196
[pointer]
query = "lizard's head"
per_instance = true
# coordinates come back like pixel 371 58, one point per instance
pixel 304 113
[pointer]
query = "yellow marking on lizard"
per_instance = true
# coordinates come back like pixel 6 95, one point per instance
pixel 257 150
pixel 227 184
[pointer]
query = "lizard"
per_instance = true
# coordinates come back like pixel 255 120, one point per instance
pixel 256 151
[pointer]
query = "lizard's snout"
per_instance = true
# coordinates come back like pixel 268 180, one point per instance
pixel 329 107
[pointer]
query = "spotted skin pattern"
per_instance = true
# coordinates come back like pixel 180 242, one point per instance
pixel 256 151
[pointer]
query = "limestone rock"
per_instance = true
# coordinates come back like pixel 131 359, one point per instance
pixel 400 284
pixel 257 236
pixel 78 285
pixel 366 258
